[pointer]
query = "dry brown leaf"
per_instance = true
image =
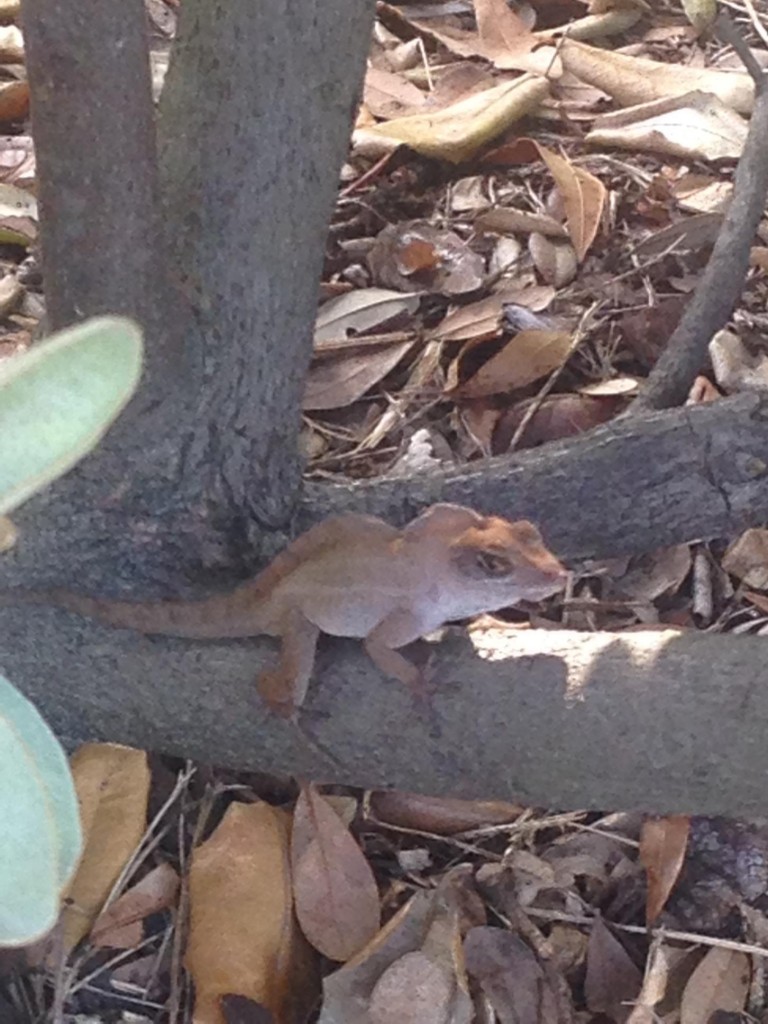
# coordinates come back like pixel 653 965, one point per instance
pixel 502 38
pixel 339 380
pixel 612 981
pixel 480 320
pixel 348 990
pixel 526 357
pixel 720 982
pixel 112 784
pixel 429 923
pixel 389 95
pixel 663 842
pixel 632 80
pixel 242 935
pixel 557 416
pixel 416 256
pixel 510 977
pixel 337 902
pixel 689 234
pixel 504 219
pixel 17 160
pixel 702 390
pixel 14 101
pixel 760 601
pixel 554 258
pixel 583 195
pixel 458 131
pixel 440 815
pixel 413 990
pixel 693 126
pixel 360 311
pixel 747 558
pixel 119 926
pixel 657 573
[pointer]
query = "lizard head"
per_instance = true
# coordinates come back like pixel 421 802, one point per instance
pixel 507 558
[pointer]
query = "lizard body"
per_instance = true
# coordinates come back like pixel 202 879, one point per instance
pixel 354 576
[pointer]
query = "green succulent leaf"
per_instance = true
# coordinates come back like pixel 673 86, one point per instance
pixel 58 399
pixel 40 831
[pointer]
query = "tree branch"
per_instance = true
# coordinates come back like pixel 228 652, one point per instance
pixel 633 485
pixel 564 719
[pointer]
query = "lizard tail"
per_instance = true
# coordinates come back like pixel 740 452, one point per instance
pixel 235 614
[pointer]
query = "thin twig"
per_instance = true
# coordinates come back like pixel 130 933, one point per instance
pixel 722 282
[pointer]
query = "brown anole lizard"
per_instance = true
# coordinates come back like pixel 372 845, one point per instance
pixel 353 576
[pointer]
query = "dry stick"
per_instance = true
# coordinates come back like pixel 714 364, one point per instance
pixel 722 282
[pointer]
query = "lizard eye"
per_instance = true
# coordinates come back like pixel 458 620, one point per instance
pixel 492 565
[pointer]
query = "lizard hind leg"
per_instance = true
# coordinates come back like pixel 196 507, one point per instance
pixel 284 687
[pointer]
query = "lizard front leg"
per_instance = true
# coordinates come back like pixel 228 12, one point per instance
pixel 399 628
pixel 284 687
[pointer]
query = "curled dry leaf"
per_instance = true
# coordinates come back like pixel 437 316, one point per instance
pixel 18 215
pixel 632 80
pixel 14 101
pixel 747 558
pixel 481 320
pixel 720 982
pixel 583 195
pixel 359 311
pixel 691 234
pixel 523 359
pixel 339 380
pixel 11 45
pixel 503 37
pixel 655 981
pixel 347 991
pixel 694 126
pixel 663 842
pixel 458 131
pixel 505 220
pixel 242 936
pixel 660 572
pixel 440 815
pixel 337 902
pixel 112 784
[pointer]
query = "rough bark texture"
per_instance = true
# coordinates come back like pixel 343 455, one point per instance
pixel 97 172
pixel 634 485
pixel 268 98
pixel 561 719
